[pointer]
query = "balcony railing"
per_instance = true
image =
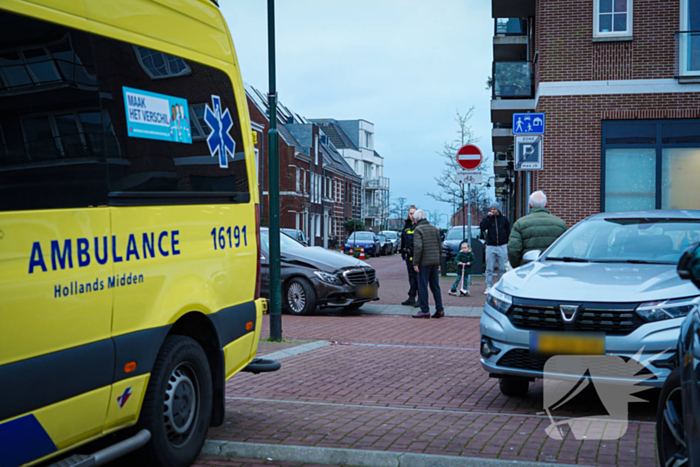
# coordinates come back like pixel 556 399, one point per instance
pixel 510 27
pixel 379 182
pixel 512 80
pixel 688 53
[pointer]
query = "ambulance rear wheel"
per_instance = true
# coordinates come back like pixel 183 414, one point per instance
pixel 178 403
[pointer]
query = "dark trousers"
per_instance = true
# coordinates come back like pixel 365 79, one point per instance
pixel 429 277
pixel 412 280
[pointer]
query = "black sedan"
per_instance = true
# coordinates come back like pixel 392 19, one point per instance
pixel 455 236
pixel 315 277
pixel 678 412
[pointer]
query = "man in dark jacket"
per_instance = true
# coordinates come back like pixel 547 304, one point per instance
pixel 407 256
pixel 536 231
pixel 427 256
pixel 496 229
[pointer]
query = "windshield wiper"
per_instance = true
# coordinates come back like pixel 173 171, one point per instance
pixel 569 259
pixel 633 261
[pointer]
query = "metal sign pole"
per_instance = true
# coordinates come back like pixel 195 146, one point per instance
pixel 469 214
pixel 274 186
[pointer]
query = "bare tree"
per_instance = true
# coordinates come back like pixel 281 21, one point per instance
pixel 449 190
pixel 399 208
pixel 435 217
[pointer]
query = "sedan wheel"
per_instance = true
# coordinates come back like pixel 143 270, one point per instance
pixel 670 428
pixel 300 297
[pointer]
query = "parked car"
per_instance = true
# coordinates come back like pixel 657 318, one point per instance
pixel 369 240
pixel 297 235
pixel 454 238
pixel 316 277
pixel 385 246
pixel 394 238
pixel 611 277
pixel 677 428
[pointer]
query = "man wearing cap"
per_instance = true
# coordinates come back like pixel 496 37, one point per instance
pixel 496 229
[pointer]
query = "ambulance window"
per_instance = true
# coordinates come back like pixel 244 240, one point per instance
pixel 157 148
pixel 51 138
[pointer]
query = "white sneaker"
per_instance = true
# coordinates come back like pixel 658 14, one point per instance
pixel 486 292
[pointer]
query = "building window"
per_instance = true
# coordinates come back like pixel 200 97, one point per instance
pixel 689 38
pixel 368 140
pixel 651 165
pixel 298 180
pixel 612 19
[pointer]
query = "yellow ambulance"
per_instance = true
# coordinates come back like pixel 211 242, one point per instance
pixel 129 238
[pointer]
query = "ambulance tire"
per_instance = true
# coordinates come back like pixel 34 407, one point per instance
pixel 181 374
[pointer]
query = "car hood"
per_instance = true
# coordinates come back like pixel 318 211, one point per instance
pixel 604 282
pixel 453 244
pixel 320 258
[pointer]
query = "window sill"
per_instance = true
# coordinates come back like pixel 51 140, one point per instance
pixel 688 79
pixel 612 38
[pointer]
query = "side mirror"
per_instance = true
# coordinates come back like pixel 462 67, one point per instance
pixel 689 264
pixel 531 256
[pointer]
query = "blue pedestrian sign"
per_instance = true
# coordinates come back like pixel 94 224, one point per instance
pixel 528 124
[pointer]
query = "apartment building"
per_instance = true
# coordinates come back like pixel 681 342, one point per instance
pixel 318 189
pixel 354 140
pixel 619 83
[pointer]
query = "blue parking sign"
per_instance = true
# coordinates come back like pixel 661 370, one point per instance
pixel 528 124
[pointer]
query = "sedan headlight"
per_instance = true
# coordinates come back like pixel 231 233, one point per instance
pixel 329 278
pixel 499 301
pixel 667 309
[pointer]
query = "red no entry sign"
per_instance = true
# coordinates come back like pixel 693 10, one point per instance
pixel 469 157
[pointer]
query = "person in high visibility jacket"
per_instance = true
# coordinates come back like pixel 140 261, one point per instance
pixel 407 256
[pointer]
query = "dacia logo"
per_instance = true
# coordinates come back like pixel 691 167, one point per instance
pixel 568 312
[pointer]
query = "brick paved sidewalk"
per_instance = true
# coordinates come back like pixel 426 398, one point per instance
pixel 416 387
pixel 220 461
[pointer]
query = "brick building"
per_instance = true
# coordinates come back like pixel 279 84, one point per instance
pixel 618 81
pixel 318 190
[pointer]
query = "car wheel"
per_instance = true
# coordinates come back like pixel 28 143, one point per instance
pixel 177 405
pixel 300 298
pixel 670 428
pixel 514 385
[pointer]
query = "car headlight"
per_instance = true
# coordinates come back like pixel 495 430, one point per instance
pixel 499 301
pixel 329 278
pixel 667 309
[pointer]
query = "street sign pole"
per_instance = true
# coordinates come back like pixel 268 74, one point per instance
pixel 274 186
pixel 469 215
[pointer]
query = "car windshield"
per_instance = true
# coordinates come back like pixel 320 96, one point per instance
pixel 362 236
pixel 286 242
pixel 390 235
pixel 620 240
pixel 456 234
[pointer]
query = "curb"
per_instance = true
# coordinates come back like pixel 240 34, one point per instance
pixel 354 457
pixel 297 350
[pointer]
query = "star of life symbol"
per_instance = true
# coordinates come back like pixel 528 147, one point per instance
pixel 614 380
pixel 219 140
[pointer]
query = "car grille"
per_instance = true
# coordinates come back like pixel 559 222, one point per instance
pixel 612 319
pixel 522 360
pixel 360 276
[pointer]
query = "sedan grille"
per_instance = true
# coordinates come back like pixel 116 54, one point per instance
pixel 612 319
pixel 522 360
pixel 360 276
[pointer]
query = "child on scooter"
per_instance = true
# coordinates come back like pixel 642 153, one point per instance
pixel 464 260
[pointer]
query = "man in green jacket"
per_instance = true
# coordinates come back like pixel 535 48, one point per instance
pixel 536 231
pixel 427 256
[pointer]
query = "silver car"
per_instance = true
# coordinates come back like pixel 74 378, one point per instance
pixel 607 286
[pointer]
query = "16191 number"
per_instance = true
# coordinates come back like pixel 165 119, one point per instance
pixel 227 237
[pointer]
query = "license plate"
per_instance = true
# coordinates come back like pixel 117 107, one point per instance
pixel 367 291
pixel 560 343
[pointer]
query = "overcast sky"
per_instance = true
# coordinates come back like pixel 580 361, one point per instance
pixel 405 65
